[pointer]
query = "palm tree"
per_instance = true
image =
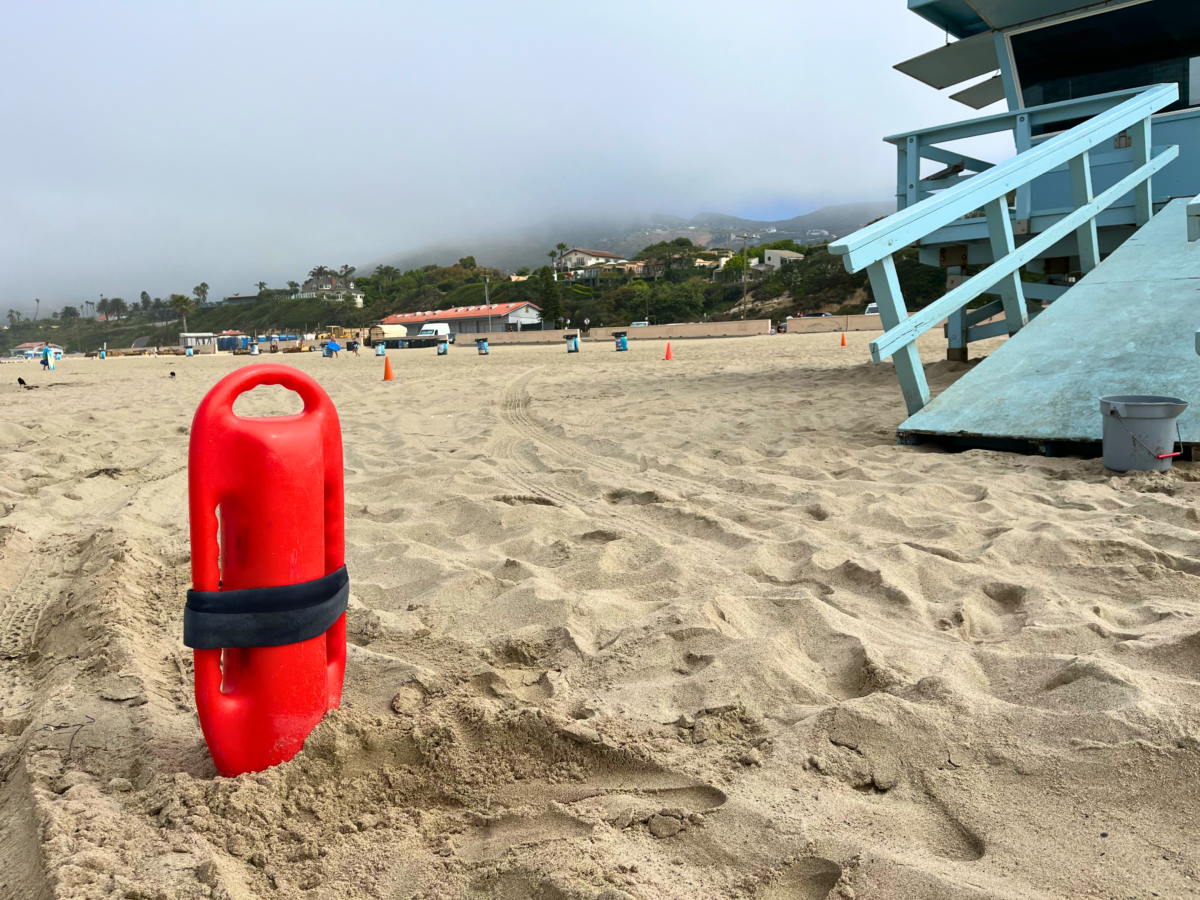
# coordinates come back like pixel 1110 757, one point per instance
pixel 104 307
pixel 69 315
pixel 183 305
pixel 262 286
pixel 37 308
pixel 318 271
pixel 118 307
pixel 201 292
pixel 157 305
pixel 145 301
pixel 13 318
pixel 346 271
pixel 562 249
pixel 293 286
pixel 553 254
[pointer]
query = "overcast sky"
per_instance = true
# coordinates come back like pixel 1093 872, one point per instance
pixel 151 146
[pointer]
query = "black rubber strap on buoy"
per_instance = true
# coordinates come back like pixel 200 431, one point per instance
pixel 265 617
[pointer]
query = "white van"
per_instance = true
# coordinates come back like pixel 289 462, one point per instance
pixel 872 309
pixel 433 333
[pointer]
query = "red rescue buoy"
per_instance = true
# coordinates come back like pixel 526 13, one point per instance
pixel 266 613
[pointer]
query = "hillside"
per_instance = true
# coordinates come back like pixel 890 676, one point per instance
pixel 627 236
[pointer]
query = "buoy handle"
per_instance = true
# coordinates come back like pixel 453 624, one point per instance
pixel 208 466
pixel 228 389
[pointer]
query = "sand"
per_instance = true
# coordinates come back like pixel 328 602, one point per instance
pixel 621 628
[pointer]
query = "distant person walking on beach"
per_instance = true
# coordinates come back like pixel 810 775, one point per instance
pixel 352 347
pixel 46 351
pixel 333 347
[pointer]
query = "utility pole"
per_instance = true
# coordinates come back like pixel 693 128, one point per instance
pixel 487 302
pixel 745 271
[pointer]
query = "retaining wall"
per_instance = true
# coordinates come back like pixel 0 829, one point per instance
pixel 735 328
pixel 834 323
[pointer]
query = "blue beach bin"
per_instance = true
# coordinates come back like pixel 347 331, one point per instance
pixel 380 349
pixel 572 343
pixel 621 340
pixel 481 344
pixel 443 348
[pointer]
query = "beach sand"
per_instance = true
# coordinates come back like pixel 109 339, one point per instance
pixel 621 628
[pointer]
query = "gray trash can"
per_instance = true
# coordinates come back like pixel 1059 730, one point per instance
pixel 1140 431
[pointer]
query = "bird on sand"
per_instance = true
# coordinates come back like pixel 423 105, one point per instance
pixel 21 382
pixel 172 373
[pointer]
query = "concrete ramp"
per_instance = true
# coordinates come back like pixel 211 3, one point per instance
pixel 1127 328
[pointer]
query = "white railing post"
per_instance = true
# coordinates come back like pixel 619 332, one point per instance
pixel 1081 195
pixel 1000 234
pixel 913 169
pixel 1023 138
pixel 886 287
pixel 1143 196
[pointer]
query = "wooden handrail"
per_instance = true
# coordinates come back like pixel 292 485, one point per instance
pixel 923 319
pixel 871 244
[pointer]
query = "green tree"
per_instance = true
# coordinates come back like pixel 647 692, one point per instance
pixel 294 286
pixel 69 314
pixel 104 307
pixel 183 305
pixel 201 292
pixel 550 298
pixel 318 271
pixel 524 270
pixel 158 306
pixel 345 272
pixel 262 286
pixel 14 318
pixel 37 309
pixel 146 302
pixel 468 262
pixel 562 249
pixel 118 307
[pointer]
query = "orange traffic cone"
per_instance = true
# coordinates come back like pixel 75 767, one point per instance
pixel 843 339
pixel 387 369
pixel 669 356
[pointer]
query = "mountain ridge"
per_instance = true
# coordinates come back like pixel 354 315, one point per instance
pixel 628 235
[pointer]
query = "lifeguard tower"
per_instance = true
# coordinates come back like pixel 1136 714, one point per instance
pixel 1094 208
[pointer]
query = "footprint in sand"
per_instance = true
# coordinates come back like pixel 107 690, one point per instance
pixel 805 879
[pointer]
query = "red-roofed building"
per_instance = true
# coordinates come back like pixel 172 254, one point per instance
pixel 471 319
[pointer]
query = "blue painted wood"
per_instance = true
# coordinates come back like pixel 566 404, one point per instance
pixel 986 330
pixel 867 245
pixel 1042 291
pixel 949 157
pixel 1193 220
pixel 1125 328
pixel 886 287
pixel 982 313
pixel 1046 114
pixel 924 319
pixel 1141 152
pixel 1081 195
pixel 1000 234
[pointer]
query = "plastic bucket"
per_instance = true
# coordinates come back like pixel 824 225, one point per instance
pixel 1140 431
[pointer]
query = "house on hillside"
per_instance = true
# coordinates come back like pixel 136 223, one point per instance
pixel 578 258
pixel 238 298
pixel 776 259
pixel 331 287
pixel 523 316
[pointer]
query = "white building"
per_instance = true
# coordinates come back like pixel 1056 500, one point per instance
pixel 496 317
pixel 778 258
pixel 578 258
